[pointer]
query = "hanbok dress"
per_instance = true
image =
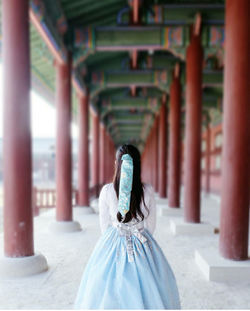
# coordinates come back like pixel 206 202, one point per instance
pixel 127 268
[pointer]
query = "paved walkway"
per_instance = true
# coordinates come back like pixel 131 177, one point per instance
pixel 67 255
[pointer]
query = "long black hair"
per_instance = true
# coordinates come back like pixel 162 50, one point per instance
pixel 137 193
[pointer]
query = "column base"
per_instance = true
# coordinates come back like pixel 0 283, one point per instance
pixel 65 226
pixel 218 269
pixel 180 227
pixel 17 267
pixel 170 211
pixel 84 209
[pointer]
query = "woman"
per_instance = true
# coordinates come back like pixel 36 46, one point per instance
pixel 127 269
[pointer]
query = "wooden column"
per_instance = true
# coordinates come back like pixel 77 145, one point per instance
pixel 83 152
pixel 18 219
pixel 63 142
pixel 208 158
pixel 151 151
pixel 193 131
pixel 108 167
pixel 112 159
pixel 153 156
pixel 95 152
pixel 102 154
pixel 108 159
pixel 162 183
pixel 156 156
pixel 234 218
pixel 174 144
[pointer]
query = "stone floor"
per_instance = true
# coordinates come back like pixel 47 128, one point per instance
pixel 67 255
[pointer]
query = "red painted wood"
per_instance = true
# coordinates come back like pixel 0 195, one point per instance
pixel 135 12
pixel 108 159
pixel 174 144
pixel 152 150
pixel 18 218
pixel 208 155
pixel 102 154
pixel 234 218
pixel 214 173
pixel 83 152
pixel 95 152
pixel 162 184
pixel 156 154
pixel 63 142
pixel 192 164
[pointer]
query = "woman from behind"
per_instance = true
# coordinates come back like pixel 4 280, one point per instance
pixel 127 269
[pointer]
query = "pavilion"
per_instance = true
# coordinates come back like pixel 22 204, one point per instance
pixel 149 73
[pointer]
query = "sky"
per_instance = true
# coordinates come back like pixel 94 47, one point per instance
pixel 43 116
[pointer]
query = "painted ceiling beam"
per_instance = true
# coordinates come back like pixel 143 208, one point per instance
pixel 124 116
pixel 108 62
pixel 120 128
pixel 174 39
pixel 129 103
pixel 116 93
pixel 140 78
pixel 134 141
pixel 128 77
pixel 145 78
pixel 124 121
pixel 122 61
pixel 89 40
pixel 127 116
pixel 180 14
pixel 142 125
pixel 141 110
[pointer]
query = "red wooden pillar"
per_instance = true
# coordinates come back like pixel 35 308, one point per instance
pixel 19 257
pixel 193 131
pixel 63 142
pixel 18 219
pixel 153 156
pixel 162 184
pixel 135 11
pixel 108 159
pixel 174 144
pixel 234 218
pixel 208 157
pixel 108 162
pixel 156 151
pixel 83 152
pixel 151 151
pixel 95 152
pixel 102 154
pixel 112 159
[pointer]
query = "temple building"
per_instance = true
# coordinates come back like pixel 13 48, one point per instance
pixel 168 76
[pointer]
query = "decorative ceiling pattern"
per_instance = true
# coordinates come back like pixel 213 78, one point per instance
pixel 127 68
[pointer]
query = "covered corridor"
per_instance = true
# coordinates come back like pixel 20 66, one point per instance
pixel 56 288
pixel 172 78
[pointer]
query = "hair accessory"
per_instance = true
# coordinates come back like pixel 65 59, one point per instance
pixel 126 181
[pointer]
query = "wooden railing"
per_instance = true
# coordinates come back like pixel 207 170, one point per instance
pixel 214 154
pixel 46 198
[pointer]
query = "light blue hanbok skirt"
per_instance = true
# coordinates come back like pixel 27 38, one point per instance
pixel 127 271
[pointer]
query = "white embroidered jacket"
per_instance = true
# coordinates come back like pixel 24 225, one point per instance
pixel 108 203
